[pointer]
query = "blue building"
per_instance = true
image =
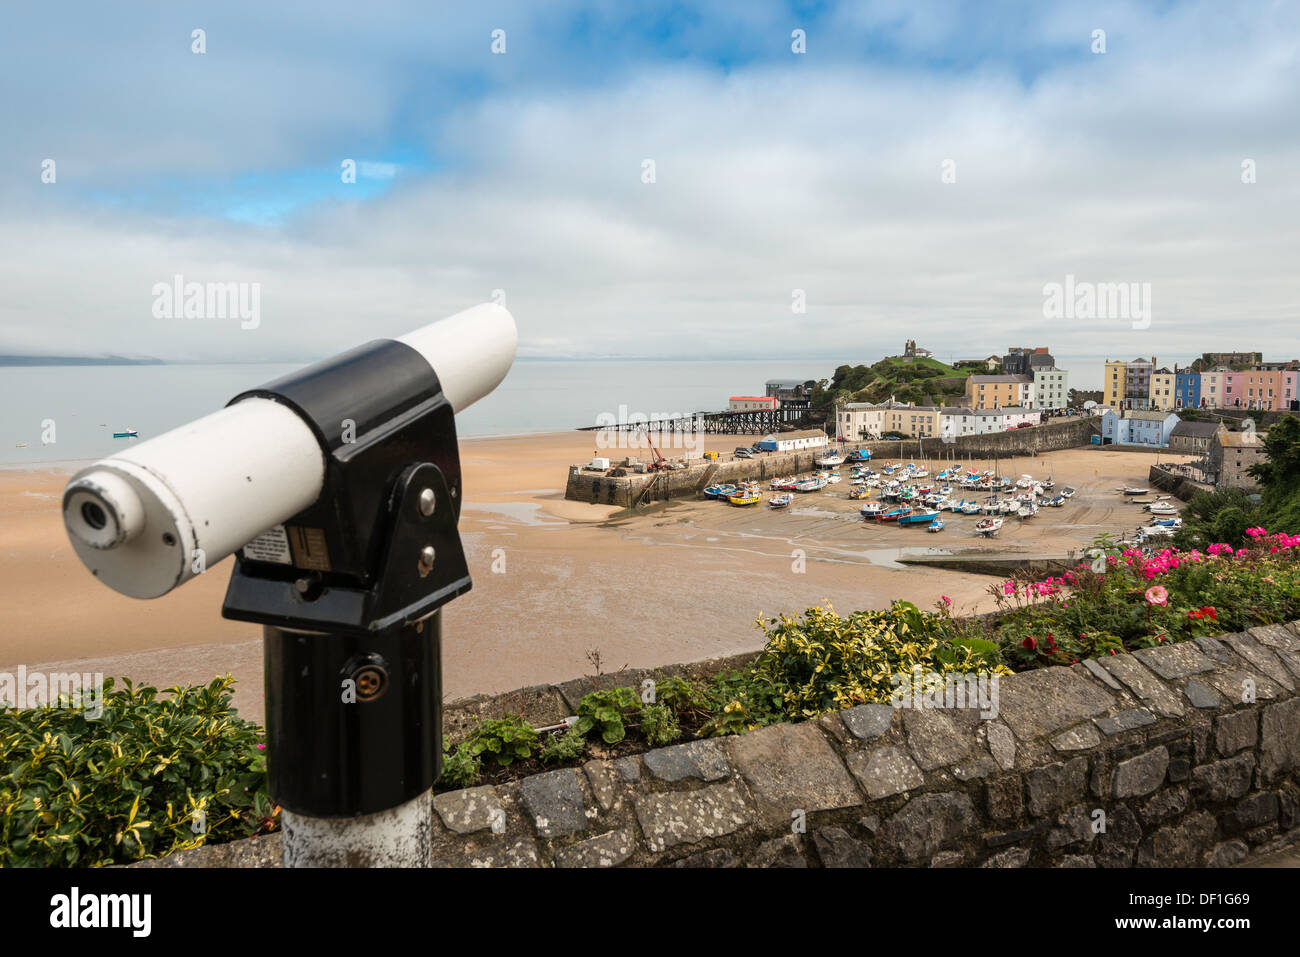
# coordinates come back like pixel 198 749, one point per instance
pixel 1187 390
pixel 1149 427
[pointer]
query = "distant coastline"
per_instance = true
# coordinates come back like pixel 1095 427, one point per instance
pixel 76 361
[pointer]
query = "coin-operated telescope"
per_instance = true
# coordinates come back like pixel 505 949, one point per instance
pixel 338 490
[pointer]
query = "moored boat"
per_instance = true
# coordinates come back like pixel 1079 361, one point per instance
pixel 935 526
pixel 872 509
pixel 745 497
pixel 988 526
pixel 894 514
pixel 922 517
pixel 780 501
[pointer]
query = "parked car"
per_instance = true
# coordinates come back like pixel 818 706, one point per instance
pixel 744 454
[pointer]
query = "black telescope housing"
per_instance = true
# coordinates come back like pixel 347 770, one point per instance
pixel 348 590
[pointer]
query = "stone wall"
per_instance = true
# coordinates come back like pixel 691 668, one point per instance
pixel 1176 483
pixel 601 489
pixel 1184 755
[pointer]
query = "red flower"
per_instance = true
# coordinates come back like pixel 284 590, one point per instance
pixel 1029 643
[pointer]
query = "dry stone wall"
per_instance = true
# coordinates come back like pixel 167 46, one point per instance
pixel 1183 755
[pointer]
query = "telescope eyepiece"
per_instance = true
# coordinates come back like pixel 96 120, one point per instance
pixel 102 510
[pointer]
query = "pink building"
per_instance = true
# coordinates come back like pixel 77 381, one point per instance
pixel 1234 387
pixel 752 403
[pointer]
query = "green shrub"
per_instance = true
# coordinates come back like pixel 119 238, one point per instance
pixel 565 746
pixel 659 725
pixel 154 774
pixel 603 712
pixel 505 740
pixel 460 769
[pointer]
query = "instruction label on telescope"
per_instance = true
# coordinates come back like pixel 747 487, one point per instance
pixel 271 546
pixel 309 549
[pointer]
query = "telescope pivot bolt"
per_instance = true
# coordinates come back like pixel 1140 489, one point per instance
pixel 427 555
pixel 427 502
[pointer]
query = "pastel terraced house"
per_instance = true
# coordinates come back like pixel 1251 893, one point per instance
pixel 999 391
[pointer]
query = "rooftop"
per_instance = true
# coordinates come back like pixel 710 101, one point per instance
pixel 1196 430
pixel 1001 378
pixel 1238 440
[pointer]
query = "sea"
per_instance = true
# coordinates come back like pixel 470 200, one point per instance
pixel 53 415
pixel 85 405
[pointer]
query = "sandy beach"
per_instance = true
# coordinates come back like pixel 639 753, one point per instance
pixel 554 581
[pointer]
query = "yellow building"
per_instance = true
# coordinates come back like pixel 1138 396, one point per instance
pixel 1112 386
pixel 999 391
pixel 1162 390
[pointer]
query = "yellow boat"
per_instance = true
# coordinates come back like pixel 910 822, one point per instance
pixel 745 497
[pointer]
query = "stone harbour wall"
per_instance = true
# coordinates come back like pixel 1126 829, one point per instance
pixel 1179 485
pixel 1182 755
pixel 599 488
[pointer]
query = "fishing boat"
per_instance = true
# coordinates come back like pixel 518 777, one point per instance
pixel 921 517
pixel 1155 531
pixel 860 455
pixel 935 526
pixel 1162 508
pixel 872 509
pixel 810 484
pixel 860 491
pixel 988 526
pixel 894 514
pixel 748 496
pixel 780 484
pixel 126 434
pixel 720 491
pixel 780 501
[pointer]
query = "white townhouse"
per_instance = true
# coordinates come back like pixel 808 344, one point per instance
pixel 956 421
pixel 1017 417
pixel 990 420
pixel 861 420
pixel 1051 388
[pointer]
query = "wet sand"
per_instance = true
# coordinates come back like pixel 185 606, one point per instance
pixel 553 580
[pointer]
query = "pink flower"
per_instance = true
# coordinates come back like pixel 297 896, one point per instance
pixel 1256 532
pixel 946 600
pixel 1009 588
pixel 1157 595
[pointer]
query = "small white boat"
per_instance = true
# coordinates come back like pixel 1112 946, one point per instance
pixel 1162 508
pixel 1067 492
pixel 834 458
pixel 872 509
pixel 989 526
pixel 935 526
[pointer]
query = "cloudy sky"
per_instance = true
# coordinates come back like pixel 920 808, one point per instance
pixel 774 171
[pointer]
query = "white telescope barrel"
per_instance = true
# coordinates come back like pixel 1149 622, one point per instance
pixel 155 515
pixel 471 351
